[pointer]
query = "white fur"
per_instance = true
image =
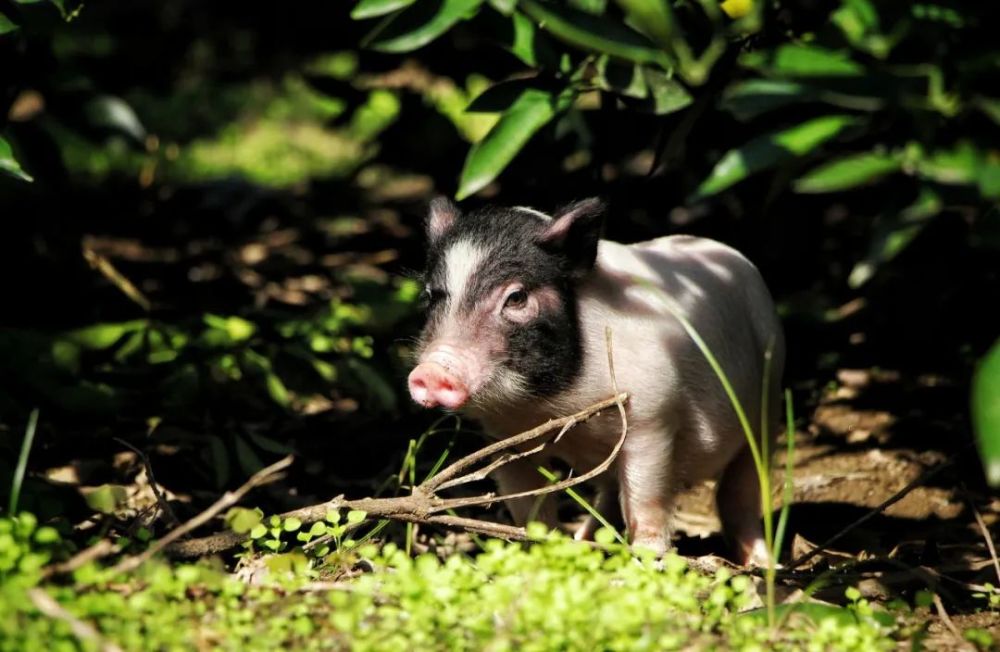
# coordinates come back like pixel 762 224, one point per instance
pixel 682 426
pixel 461 261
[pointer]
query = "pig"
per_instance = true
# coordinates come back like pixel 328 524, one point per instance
pixel 517 304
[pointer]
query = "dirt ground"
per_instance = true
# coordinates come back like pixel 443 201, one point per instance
pixel 855 454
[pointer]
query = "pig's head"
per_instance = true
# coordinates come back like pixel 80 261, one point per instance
pixel 499 290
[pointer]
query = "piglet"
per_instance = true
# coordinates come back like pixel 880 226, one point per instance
pixel 517 305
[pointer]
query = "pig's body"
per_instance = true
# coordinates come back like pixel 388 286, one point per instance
pixel 682 426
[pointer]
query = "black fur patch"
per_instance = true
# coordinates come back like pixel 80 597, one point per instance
pixel 547 351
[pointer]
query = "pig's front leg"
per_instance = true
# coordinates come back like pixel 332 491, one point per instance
pixel 522 475
pixel 647 488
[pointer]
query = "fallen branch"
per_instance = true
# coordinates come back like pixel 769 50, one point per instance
pixel 83 631
pixel 161 500
pixel 99 550
pixel 423 505
pixel 946 620
pixel 264 476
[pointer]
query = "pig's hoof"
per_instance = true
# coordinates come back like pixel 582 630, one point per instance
pixel 659 544
pixel 756 556
pixel 585 532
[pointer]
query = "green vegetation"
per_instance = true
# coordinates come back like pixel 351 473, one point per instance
pixel 211 225
pixel 555 594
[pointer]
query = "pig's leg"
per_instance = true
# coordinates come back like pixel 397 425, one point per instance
pixel 521 475
pixel 647 489
pixel 738 500
pixel 606 504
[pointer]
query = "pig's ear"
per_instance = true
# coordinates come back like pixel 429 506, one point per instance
pixel 574 232
pixel 441 218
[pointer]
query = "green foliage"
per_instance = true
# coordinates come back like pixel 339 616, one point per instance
pixel 880 91
pixel 986 412
pixel 8 164
pixel 25 548
pixel 556 594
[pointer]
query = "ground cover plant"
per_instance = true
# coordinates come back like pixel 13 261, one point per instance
pixel 212 214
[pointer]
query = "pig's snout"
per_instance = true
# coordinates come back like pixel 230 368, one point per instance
pixel 432 385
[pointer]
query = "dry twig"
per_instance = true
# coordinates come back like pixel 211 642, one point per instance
pixel 946 619
pixel 99 550
pixel 988 537
pixel 83 631
pixel 161 500
pixel 424 506
pixel 264 476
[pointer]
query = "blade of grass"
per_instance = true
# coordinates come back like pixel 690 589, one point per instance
pixel 22 462
pixel 786 497
pixel 585 504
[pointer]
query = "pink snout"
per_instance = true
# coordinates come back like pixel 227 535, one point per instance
pixel 432 385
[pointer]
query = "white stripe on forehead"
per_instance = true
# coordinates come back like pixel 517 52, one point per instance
pixel 461 261
pixel 528 209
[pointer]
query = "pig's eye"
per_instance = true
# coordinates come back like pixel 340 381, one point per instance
pixel 431 296
pixel 516 299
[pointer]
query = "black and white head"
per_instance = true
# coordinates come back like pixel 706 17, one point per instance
pixel 501 306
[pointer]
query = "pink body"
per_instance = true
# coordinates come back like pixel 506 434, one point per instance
pixel 683 428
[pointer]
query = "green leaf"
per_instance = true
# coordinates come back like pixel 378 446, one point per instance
pixel 236 328
pixel 106 498
pixel 652 17
pixel 8 164
pixel 419 24
pixel 989 179
pixel 114 114
pixel 595 34
pixel 986 412
pixel 6 26
pixel 500 97
pixel 957 166
pixel 242 520
pixel 792 60
pixel 523 43
pixel 103 336
pixel 270 445
pixel 748 99
pixel 859 22
pixel 770 150
pixel 505 7
pixel 665 95
pixel 258 531
pixel 276 390
pixel 620 77
pixel 356 516
pixel 893 233
pixel 291 524
pixel 374 8
pixel 847 172
pixel 990 106
pixel 532 110
pixel 814 611
pixel 248 459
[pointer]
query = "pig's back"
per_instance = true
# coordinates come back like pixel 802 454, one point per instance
pixel 673 388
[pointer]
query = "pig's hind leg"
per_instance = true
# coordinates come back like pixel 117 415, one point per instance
pixel 606 504
pixel 738 501
pixel 522 475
